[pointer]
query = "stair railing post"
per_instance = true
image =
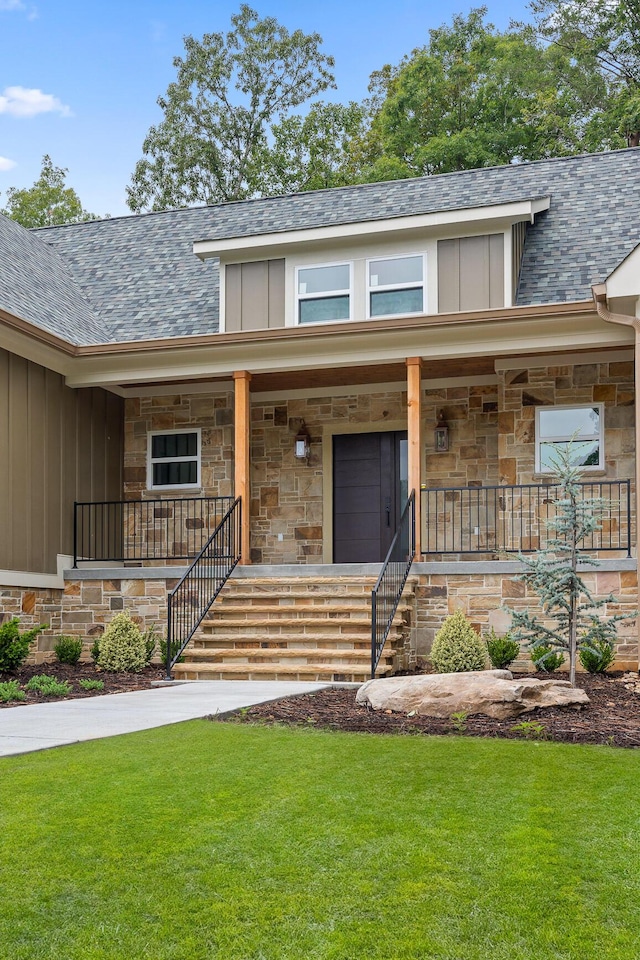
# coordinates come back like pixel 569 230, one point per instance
pixel 374 632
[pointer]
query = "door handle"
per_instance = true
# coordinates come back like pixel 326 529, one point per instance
pixel 387 506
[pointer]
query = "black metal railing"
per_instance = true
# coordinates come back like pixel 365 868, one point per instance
pixel 512 519
pixel 163 529
pixel 191 598
pixel 386 594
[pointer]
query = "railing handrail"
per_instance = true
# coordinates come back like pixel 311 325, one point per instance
pixel 377 646
pixel 596 482
pixel 216 581
pixel 141 500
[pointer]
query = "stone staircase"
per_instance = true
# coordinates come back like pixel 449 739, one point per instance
pixel 302 628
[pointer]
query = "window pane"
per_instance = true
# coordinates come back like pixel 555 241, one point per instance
pixel 583 421
pixel 171 474
pixel 323 279
pixel 396 301
pixel 325 308
pixel 174 445
pixel 585 454
pixel 386 273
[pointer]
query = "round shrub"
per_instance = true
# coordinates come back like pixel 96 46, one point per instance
pixel 457 647
pixel 502 650
pixel 122 646
pixel 68 649
pixel 598 655
pixel 546 658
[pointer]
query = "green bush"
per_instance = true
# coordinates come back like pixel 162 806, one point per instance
pixel 546 658
pixel 14 646
pixel 91 684
pixel 95 649
pixel 151 641
pixel 174 648
pixel 457 647
pixel 599 655
pixel 68 649
pixel 48 686
pixel 502 650
pixel 10 690
pixel 122 647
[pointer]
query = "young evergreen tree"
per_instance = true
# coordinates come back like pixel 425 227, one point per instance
pixel 570 619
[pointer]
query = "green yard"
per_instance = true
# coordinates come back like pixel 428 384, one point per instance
pixel 228 841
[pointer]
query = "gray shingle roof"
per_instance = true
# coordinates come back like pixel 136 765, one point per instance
pixel 36 285
pixel 142 279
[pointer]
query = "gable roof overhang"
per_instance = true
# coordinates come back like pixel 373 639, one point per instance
pixel 279 242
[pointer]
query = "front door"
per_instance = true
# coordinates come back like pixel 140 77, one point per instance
pixel 370 488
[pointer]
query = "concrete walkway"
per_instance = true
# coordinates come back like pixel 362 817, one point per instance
pixel 43 725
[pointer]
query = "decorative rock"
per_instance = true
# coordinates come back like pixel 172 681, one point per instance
pixel 493 693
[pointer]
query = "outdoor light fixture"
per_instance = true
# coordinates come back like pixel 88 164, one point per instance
pixel 441 434
pixel 302 447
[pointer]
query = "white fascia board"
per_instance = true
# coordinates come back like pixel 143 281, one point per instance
pixel 233 247
pixel 624 281
pixel 43 581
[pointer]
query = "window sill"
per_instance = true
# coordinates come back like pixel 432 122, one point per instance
pixel 549 477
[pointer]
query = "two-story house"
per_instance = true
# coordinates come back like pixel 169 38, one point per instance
pixel 318 357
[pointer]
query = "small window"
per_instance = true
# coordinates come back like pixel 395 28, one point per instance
pixel 556 426
pixel 396 286
pixel 324 293
pixel 174 459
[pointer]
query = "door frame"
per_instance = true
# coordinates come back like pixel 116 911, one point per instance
pixel 328 432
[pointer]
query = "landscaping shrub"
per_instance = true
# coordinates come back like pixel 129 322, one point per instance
pixel 91 684
pixel 546 658
pixel 95 649
pixel 48 686
pixel 122 647
pixel 502 650
pixel 599 654
pixel 151 641
pixel 457 647
pixel 163 651
pixel 14 646
pixel 10 690
pixel 68 649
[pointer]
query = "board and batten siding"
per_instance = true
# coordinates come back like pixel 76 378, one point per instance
pixel 57 445
pixel 254 295
pixel 471 273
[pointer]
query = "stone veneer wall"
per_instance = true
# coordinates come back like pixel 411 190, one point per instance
pixel 84 607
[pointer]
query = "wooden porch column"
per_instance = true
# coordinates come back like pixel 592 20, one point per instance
pixel 414 433
pixel 242 438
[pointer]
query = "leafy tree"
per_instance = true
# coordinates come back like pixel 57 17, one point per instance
pixel 602 37
pixel 48 202
pixel 571 620
pixel 215 142
pixel 474 97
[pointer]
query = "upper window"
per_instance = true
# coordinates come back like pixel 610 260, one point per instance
pixel 395 286
pixel 174 459
pixel 324 293
pixel 556 426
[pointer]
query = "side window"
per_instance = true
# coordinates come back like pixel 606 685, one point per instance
pixel 173 459
pixel 556 426
pixel 323 293
pixel 395 286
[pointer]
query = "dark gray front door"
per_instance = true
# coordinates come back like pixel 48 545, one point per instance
pixel 369 491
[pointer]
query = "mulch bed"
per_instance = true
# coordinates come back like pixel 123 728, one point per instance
pixel 612 717
pixel 113 682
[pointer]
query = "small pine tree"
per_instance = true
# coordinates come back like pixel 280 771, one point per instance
pixel 457 647
pixel 552 573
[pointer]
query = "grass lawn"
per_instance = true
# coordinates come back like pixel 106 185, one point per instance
pixel 208 840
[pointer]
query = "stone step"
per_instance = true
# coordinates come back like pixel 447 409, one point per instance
pixel 274 654
pixel 317 672
pixel 287 621
pixel 282 605
pixel 305 641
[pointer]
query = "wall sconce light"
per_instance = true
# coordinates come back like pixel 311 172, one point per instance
pixel 441 434
pixel 302 447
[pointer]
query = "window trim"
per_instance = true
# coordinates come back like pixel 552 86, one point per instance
pixel 151 460
pixel 326 294
pixel 385 287
pixel 539 469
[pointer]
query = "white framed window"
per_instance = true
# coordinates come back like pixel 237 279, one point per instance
pixel 395 286
pixel 173 459
pixel 556 426
pixel 323 292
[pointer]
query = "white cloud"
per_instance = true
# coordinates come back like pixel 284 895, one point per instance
pixel 11 5
pixel 6 164
pixel 22 102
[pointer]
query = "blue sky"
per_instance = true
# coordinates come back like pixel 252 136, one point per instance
pixel 79 80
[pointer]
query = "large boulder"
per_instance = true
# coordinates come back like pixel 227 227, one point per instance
pixel 494 693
